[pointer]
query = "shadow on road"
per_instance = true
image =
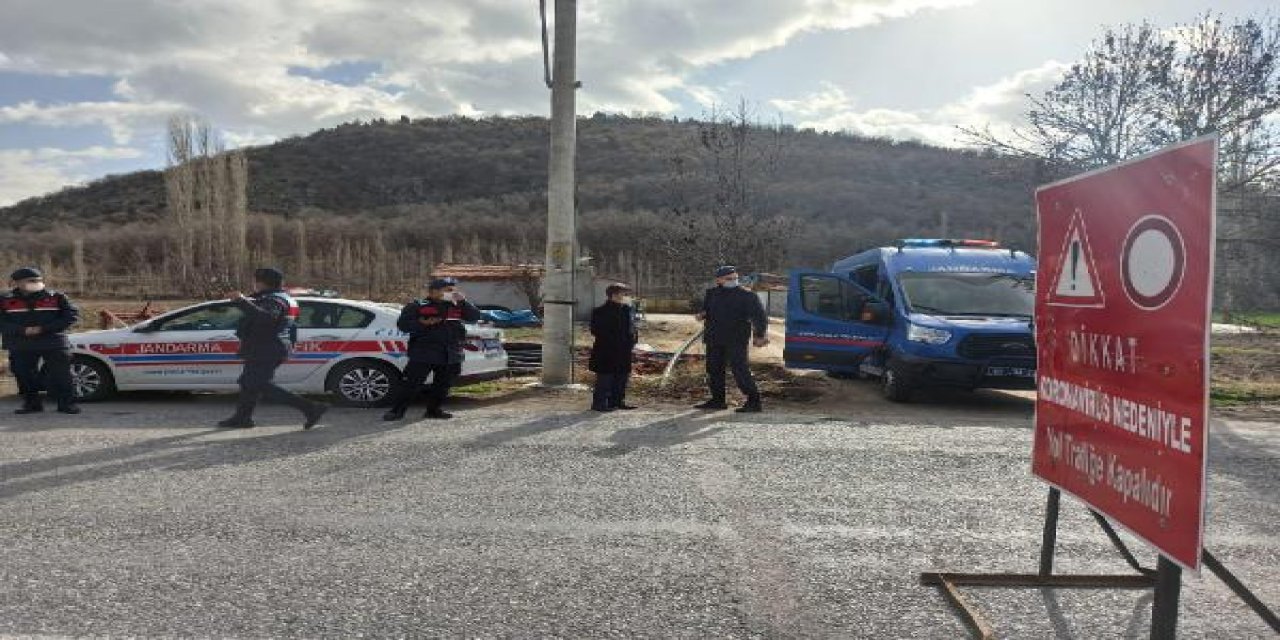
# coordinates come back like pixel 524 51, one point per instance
pixel 530 429
pixel 862 400
pixel 179 452
pixel 682 429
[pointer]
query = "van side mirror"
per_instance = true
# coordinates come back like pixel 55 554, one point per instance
pixel 875 313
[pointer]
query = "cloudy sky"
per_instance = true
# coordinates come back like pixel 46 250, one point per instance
pixel 86 85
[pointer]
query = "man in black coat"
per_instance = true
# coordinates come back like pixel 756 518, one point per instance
pixel 732 317
pixel 436 336
pixel 613 325
pixel 268 331
pixel 34 322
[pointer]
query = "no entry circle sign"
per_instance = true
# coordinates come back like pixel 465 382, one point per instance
pixel 1153 262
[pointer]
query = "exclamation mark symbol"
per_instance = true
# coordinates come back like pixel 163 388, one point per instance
pixel 1075 264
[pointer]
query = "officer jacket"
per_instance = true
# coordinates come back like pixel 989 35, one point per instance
pixel 614 328
pixel 269 328
pixel 732 316
pixel 52 311
pixel 438 342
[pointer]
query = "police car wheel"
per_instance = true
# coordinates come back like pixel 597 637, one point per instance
pixel 91 380
pixel 364 383
pixel 895 385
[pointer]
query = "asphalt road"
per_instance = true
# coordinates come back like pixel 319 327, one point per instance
pixel 533 519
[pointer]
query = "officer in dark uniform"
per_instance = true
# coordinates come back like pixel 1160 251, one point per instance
pixel 731 317
pixel 267 332
pixel 34 322
pixel 436 335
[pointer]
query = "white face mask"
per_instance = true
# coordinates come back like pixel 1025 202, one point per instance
pixel 627 300
pixel 451 296
pixel 730 284
pixel 32 287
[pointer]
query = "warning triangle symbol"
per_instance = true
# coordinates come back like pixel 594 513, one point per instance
pixel 1077 283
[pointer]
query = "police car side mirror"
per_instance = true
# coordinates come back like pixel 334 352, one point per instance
pixel 875 313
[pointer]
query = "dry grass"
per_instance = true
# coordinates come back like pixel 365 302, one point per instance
pixel 1246 368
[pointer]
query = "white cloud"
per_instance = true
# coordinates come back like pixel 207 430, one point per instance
pixel 1000 105
pixel 229 59
pixel 121 119
pixel 28 172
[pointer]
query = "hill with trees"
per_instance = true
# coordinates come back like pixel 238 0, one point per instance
pixel 343 203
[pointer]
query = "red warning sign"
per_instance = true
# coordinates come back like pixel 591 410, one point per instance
pixel 1122 331
pixel 1076 284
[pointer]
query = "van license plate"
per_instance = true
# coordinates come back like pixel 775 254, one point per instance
pixel 1011 372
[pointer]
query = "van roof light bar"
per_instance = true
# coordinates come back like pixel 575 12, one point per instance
pixel 947 242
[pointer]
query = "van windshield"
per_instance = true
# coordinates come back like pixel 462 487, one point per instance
pixel 969 294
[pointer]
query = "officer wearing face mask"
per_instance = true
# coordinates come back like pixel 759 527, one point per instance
pixel 436 337
pixel 732 317
pixel 614 328
pixel 34 322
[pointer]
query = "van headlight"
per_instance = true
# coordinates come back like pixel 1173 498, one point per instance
pixel 927 335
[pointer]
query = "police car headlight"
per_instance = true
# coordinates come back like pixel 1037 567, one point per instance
pixel 927 335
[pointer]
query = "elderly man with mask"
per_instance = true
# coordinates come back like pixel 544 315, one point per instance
pixel 34 321
pixel 436 337
pixel 732 319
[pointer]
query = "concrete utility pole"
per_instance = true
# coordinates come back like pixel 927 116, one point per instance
pixel 562 232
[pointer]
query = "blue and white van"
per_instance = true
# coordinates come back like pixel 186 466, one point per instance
pixel 924 313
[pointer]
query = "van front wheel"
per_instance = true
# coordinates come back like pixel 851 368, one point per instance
pixel 895 384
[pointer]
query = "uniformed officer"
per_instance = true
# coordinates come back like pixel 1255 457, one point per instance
pixel 34 322
pixel 267 332
pixel 436 335
pixel 732 317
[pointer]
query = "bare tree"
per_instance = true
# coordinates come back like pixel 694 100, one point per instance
pixel 179 179
pixel 1139 88
pixel 206 190
pixel 721 208
pixel 529 281
pixel 1224 78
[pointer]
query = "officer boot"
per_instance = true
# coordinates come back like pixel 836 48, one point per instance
pixel 435 412
pixel 314 412
pixel 241 419
pixel 752 405
pixel 30 404
pixel 68 407
pixel 396 411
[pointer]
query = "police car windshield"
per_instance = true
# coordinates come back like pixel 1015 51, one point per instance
pixel 969 294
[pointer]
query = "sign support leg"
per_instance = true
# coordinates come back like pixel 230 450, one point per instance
pixel 1050 540
pixel 1119 544
pixel 1164 611
pixel 1242 591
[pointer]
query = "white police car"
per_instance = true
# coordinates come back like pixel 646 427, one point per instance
pixel 351 349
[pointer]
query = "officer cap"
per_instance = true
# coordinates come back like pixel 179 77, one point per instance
pixel 440 283
pixel 269 275
pixel 725 270
pixel 26 273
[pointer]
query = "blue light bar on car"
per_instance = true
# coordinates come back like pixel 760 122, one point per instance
pixel 947 242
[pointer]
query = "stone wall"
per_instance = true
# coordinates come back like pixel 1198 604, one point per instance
pixel 1248 253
